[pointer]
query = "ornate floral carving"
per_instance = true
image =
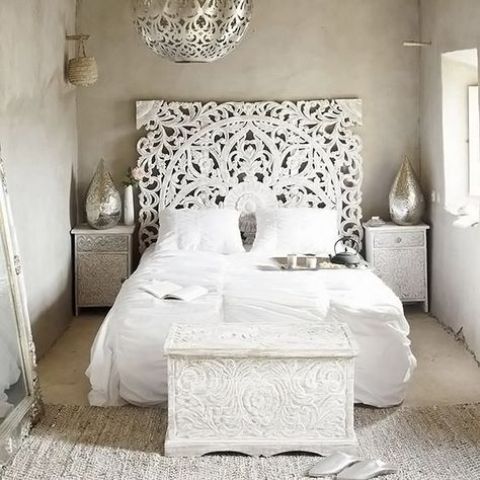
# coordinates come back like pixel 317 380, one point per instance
pixel 102 243
pixel 248 154
pixel 286 340
pixel 241 384
pixel 192 30
pixel 16 425
pixel 247 197
pixel 100 278
pixel 260 398
pixel 403 270
pixel 3 177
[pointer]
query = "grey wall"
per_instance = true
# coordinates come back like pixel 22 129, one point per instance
pixel 455 262
pixel 298 49
pixel 39 139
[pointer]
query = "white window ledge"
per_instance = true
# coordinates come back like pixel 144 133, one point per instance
pixel 469 215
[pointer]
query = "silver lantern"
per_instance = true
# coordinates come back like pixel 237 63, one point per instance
pixel 407 203
pixel 103 204
pixel 192 30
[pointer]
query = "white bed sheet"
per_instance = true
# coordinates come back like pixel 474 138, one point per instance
pixel 127 360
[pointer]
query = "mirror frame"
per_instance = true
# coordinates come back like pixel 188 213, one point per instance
pixel 17 424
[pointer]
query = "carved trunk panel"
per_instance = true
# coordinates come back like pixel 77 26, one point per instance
pixel 261 398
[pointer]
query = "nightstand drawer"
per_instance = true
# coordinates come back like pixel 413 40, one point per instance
pixel 102 243
pixel 399 239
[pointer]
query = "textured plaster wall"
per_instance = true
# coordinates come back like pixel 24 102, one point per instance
pixel 455 261
pixel 39 139
pixel 300 49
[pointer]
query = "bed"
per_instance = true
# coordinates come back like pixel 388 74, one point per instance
pixel 248 157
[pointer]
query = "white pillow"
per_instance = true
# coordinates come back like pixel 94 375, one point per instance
pixel 281 231
pixel 209 230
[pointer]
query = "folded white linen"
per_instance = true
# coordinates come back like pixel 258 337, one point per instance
pixel 127 362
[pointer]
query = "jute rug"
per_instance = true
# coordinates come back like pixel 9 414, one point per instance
pixel 73 443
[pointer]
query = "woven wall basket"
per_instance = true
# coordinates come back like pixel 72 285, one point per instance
pixel 82 71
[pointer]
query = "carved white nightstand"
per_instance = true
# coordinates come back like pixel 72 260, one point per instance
pixel 103 261
pixel 398 256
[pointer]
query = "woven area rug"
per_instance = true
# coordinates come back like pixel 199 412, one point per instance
pixel 126 443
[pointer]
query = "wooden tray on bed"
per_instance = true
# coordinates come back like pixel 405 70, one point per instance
pixel 323 263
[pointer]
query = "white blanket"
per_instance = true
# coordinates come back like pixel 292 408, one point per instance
pixel 128 364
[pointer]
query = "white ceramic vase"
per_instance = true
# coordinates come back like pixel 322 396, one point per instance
pixel 128 206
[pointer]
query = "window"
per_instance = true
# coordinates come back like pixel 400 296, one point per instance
pixel 473 142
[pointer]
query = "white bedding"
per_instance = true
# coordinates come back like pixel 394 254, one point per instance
pixel 127 362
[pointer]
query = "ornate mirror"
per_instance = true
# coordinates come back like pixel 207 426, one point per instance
pixel 20 403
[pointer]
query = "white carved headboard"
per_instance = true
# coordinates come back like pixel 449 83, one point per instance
pixel 250 154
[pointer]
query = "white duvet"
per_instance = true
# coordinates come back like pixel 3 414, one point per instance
pixel 127 361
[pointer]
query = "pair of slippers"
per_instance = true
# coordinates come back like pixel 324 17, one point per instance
pixel 349 467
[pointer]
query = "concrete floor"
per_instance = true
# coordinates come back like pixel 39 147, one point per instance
pixel 446 372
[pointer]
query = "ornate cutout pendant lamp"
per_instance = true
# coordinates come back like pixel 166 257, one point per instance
pixel 192 30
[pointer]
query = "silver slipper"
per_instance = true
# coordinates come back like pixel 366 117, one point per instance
pixel 332 464
pixel 366 470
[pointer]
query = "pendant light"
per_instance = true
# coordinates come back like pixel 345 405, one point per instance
pixel 187 31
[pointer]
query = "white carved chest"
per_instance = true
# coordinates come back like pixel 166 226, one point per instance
pixel 259 389
pixel 103 261
pixel 399 257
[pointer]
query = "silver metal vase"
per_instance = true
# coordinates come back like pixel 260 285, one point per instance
pixel 103 204
pixel 407 203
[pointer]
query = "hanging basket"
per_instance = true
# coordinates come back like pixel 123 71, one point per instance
pixel 82 70
pixel 192 30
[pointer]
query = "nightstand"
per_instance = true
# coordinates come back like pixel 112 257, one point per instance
pixel 102 262
pixel 398 255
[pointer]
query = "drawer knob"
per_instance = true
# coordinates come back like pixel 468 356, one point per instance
pixel 398 240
